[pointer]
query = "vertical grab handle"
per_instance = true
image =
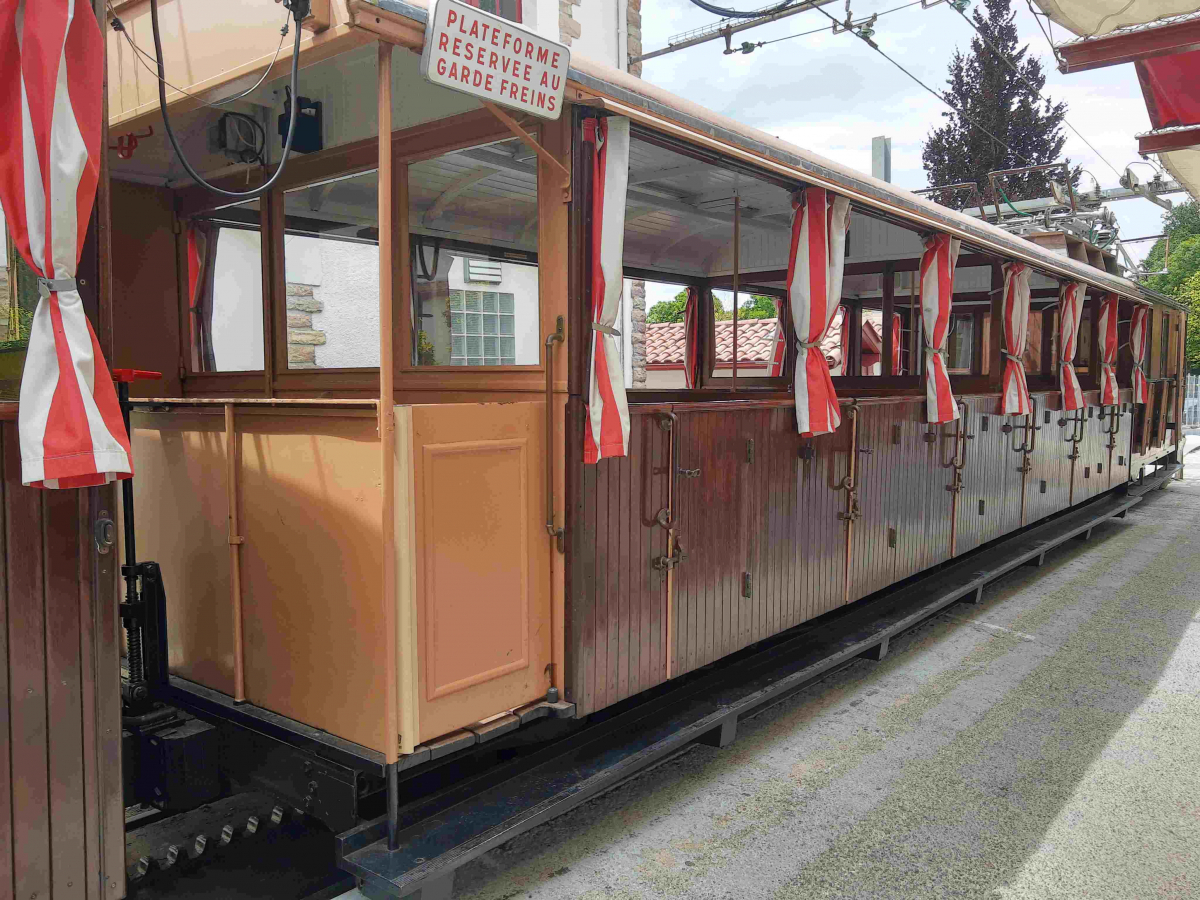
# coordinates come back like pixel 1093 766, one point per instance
pixel 666 516
pixel 559 535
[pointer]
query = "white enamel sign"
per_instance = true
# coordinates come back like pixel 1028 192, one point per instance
pixel 483 55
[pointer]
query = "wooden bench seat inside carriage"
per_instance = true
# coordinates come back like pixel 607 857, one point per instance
pixel 263 493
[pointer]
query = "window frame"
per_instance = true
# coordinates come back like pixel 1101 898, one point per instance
pixel 422 141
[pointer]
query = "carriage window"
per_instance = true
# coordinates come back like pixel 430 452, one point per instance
pixel 225 289
pixel 1083 350
pixel 960 342
pixel 473 233
pixel 331 265
pixel 679 229
pixel 662 343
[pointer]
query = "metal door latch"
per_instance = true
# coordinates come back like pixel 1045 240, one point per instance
pixel 669 562
pixel 105 533
pixel 690 473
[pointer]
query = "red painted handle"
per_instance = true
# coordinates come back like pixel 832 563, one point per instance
pixel 128 376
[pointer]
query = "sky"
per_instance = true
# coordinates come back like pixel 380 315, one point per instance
pixel 832 93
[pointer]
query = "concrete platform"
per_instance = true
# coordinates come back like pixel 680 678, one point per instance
pixel 1043 744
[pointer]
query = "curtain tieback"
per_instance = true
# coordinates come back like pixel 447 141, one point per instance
pixel 48 286
pixel 808 345
pixel 605 329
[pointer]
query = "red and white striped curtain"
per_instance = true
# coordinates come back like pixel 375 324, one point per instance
pixel 820 222
pixel 937 295
pixel 897 343
pixel 1110 392
pixel 691 337
pixel 51 76
pixel 1070 308
pixel 607 429
pixel 779 344
pixel 1015 399
pixel 1137 346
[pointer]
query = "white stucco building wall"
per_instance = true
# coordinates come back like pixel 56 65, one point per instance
pixel 237 319
pixel 344 277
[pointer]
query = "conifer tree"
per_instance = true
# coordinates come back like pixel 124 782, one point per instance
pixel 983 87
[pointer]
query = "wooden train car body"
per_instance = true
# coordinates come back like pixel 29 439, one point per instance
pixel 388 567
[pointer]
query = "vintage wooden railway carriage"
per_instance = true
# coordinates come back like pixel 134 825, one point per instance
pixel 517 515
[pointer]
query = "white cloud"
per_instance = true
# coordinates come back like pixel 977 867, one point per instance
pixel 831 93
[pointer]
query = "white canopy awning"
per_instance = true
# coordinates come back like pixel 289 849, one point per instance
pixel 1185 166
pixel 1090 18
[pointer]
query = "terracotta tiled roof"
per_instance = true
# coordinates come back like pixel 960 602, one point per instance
pixel 665 341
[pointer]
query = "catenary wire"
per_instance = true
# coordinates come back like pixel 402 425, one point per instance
pixel 738 14
pixel 826 28
pixel 870 43
pixel 1008 62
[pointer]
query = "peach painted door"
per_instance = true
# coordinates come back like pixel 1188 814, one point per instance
pixel 482 560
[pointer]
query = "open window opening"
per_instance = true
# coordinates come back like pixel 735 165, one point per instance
pixel 473 242
pixel 331 270
pixel 225 289
pixel 683 212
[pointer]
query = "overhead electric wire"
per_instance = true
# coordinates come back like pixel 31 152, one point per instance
pixel 1008 62
pixel 145 59
pixel 870 43
pixel 737 14
pixel 883 12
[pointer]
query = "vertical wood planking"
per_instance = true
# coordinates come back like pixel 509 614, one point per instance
pixel 28 731
pixel 64 711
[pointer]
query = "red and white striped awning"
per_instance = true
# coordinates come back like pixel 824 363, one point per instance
pixel 1015 399
pixel 816 262
pixel 1137 346
pixel 607 429
pixel 691 338
pixel 51 76
pixel 1070 308
pixel 1110 392
pixel 937 295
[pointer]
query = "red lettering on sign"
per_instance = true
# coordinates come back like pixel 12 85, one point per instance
pixel 554 61
pixel 493 58
pixel 453 73
pixel 475 29
pixel 457 45
pixel 464 75
pixel 451 18
pixel 541 100
pixel 524 94
pixel 441 66
pixel 503 86
pixel 550 103
pixel 507 39
pixel 528 50
pixel 443 41
pixel 512 90
pixel 555 82
pixel 543 55
pixel 487 84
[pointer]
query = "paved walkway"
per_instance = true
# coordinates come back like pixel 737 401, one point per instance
pixel 1043 745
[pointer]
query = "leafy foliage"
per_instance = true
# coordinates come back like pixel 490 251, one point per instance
pixel 990 93
pixel 757 307
pixel 1181 280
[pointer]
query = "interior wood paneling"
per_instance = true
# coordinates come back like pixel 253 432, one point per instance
pixel 182 524
pixel 145 287
pixel 310 514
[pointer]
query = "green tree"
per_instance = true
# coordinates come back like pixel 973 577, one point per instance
pixel 983 87
pixel 1181 280
pixel 757 307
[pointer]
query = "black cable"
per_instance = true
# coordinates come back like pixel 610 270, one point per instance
pixel 736 14
pixel 879 14
pixel 298 14
pixel 1004 59
pixel 874 46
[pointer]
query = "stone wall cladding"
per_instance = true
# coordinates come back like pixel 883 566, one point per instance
pixel 568 28
pixel 633 25
pixel 302 338
pixel 637 337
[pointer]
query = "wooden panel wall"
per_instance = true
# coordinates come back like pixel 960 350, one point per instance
pixel 772 514
pixel 616 605
pixel 61 812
